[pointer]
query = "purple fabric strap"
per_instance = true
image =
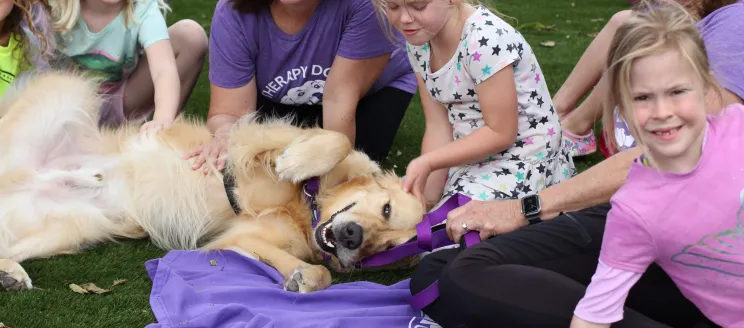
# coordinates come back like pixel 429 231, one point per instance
pixel 430 293
pixel 311 187
pixel 426 240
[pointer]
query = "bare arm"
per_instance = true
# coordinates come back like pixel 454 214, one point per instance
pixel 165 80
pixel 592 187
pixel 438 134
pixel 226 106
pixel 498 99
pixel 348 80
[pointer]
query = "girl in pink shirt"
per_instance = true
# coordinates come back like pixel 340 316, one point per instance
pixel 682 205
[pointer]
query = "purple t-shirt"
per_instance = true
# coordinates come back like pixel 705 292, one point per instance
pixel 721 33
pixel 292 69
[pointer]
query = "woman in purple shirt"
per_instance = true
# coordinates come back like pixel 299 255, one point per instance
pixel 328 62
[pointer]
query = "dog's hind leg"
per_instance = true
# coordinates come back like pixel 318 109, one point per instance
pixel 65 231
pixel 13 277
pixel 50 114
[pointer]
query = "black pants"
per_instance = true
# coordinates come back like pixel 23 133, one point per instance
pixel 378 118
pixel 535 276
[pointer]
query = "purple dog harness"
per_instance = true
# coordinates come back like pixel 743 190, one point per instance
pixel 430 234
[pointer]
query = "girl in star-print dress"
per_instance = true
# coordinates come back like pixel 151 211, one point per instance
pixel 536 159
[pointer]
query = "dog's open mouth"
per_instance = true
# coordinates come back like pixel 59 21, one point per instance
pixel 325 238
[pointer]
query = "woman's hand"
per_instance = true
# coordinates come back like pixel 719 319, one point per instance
pixel 417 173
pixel 489 218
pixel 213 151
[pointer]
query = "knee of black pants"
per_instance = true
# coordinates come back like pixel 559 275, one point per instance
pixel 430 268
pixel 466 268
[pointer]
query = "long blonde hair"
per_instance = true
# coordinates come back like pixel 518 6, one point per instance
pixel 381 7
pixel 65 13
pixel 654 27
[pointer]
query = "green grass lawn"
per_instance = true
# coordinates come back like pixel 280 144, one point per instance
pixel 53 304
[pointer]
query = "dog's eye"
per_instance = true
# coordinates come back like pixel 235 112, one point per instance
pixel 386 211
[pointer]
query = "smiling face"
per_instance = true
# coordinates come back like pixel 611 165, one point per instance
pixel 668 108
pixel 364 216
pixel 418 20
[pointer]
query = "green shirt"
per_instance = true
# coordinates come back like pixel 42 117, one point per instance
pixel 113 52
pixel 10 60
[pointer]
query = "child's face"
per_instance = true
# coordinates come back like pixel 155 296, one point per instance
pixel 5 7
pixel 418 20
pixel 668 105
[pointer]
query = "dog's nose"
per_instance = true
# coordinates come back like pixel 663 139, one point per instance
pixel 350 235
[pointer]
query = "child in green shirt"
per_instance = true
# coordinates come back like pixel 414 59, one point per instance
pixel 26 39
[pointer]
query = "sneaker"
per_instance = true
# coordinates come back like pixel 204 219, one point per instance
pixel 579 145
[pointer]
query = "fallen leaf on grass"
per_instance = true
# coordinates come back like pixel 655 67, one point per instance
pixel 88 288
pixel 3 325
pixel 213 262
pixel 548 44
pixel 78 289
pixel 594 20
pixel 91 287
pixel 118 282
pixel 573 4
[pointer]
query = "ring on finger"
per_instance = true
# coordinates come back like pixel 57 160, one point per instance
pixel 465 226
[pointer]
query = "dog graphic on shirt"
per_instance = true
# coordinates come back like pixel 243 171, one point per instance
pixel 310 93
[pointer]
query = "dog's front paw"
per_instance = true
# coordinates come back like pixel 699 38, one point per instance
pixel 13 277
pixel 308 279
pixel 297 164
pixel 311 156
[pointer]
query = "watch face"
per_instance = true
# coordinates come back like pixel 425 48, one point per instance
pixel 530 204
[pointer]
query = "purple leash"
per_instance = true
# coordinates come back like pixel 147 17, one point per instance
pixel 311 187
pixel 425 240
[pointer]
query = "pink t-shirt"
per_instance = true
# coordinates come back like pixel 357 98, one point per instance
pixel 691 224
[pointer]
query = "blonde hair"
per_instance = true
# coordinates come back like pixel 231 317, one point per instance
pixel 381 7
pixel 65 13
pixel 654 27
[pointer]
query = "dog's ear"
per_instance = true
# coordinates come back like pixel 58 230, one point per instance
pixel 356 165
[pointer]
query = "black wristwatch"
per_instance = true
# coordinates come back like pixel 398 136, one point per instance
pixel 531 208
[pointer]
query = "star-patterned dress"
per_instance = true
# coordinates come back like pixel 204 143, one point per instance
pixel 536 160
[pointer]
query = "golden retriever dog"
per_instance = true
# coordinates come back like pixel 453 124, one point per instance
pixel 66 184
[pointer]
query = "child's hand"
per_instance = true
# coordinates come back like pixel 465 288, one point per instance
pixel 417 173
pixel 154 126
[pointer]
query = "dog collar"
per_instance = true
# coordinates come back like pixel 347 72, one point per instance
pixel 310 188
pixel 228 180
